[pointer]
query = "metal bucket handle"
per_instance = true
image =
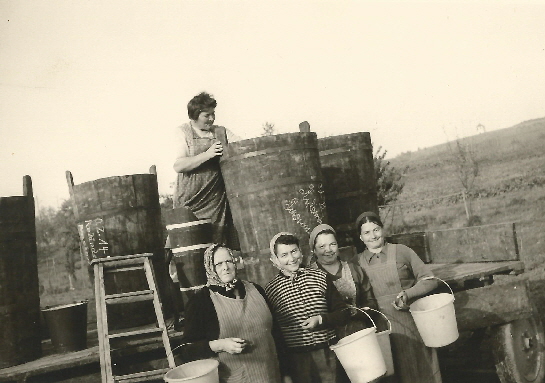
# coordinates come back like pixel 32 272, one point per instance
pixel 433 277
pixel 381 313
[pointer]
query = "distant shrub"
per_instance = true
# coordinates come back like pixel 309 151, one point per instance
pixel 390 180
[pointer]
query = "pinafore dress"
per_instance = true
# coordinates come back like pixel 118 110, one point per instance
pixel 202 190
pixel 250 319
pixel 413 361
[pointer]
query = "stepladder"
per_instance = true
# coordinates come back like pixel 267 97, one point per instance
pixel 112 339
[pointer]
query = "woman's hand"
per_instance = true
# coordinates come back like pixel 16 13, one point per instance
pixel 311 322
pixel 216 149
pixel 230 345
pixel 400 303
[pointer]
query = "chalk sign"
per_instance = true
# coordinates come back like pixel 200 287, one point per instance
pixel 93 239
pixel 307 200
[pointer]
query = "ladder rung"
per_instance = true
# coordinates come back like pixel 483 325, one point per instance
pixel 133 296
pixel 122 269
pixel 136 332
pixel 142 376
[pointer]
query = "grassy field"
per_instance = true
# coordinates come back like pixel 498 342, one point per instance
pixel 510 187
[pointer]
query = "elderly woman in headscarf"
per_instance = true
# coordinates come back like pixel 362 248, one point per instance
pixel 308 307
pixel 229 319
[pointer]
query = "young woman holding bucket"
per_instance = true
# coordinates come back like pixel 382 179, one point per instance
pixel 230 320
pixel 348 277
pixel 397 277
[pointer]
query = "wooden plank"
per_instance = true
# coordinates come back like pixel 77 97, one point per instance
pixel 492 305
pixel 135 332
pixel 58 362
pixel 142 376
pixel 135 296
pixel 458 273
pixel 417 241
pixel 488 243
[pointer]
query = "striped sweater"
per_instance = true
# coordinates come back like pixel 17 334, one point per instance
pixel 293 300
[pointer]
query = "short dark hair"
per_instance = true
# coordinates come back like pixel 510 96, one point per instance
pixel 199 103
pixel 285 239
pixel 372 219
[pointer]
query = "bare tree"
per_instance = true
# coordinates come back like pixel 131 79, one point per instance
pixel 268 129
pixel 467 169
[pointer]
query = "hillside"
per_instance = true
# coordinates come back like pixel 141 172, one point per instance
pixel 509 186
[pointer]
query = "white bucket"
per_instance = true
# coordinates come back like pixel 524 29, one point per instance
pixel 361 356
pixel 383 338
pixel 435 318
pixel 199 371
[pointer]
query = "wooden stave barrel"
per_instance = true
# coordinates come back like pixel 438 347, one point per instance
pixel 244 166
pixel 349 182
pixel 189 237
pixel 19 290
pixel 125 212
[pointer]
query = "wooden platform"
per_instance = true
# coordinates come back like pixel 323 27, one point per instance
pixel 81 366
pixel 457 274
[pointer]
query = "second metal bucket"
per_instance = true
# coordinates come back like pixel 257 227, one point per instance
pixel 67 326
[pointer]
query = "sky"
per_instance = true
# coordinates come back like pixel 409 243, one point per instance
pixel 99 87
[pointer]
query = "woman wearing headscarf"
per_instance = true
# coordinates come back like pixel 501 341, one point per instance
pixel 398 277
pixel 348 277
pixel 230 320
pixel 307 307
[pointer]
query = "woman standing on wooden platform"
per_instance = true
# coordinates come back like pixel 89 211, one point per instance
pixel 396 274
pixel 199 185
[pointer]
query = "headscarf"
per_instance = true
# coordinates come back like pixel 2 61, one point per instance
pixel 212 276
pixel 273 242
pixel 317 230
pixel 273 255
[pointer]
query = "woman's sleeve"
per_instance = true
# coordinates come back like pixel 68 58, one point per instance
pixel 338 313
pixel 419 270
pixel 200 327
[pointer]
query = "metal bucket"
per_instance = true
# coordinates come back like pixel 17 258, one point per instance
pixel 68 326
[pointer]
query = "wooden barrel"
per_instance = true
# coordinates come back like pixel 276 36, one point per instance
pixel 19 287
pixel 273 184
pixel 189 237
pixel 119 216
pixel 349 181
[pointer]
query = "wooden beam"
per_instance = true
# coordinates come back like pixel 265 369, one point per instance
pixel 492 305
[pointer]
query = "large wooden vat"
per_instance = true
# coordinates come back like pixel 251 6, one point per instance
pixel 273 184
pixel 349 181
pixel 189 237
pixel 119 216
pixel 19 287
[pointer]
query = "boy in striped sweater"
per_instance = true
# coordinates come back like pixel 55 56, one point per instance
pixel 307 307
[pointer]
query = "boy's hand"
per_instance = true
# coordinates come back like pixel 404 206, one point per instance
pixel 311 322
